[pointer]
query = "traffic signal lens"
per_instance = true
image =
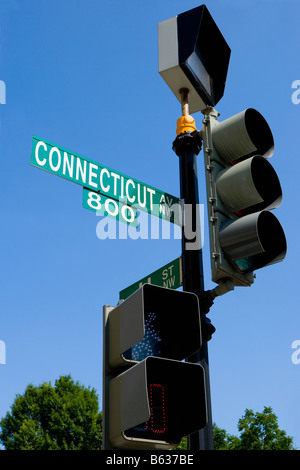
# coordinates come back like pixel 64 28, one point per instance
pixel 266 183
pixel 171 325
pixel 151 344
pixel 259 132
pixel 160 425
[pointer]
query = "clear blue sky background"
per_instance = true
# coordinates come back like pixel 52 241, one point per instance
pixel 84 75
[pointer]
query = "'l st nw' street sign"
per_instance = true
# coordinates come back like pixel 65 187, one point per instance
pixel 169 276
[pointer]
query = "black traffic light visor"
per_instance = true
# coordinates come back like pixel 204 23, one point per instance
pixel 203 53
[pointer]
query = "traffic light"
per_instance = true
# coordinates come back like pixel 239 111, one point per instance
pixel 152 396
pixel 193 54
pixel 242 187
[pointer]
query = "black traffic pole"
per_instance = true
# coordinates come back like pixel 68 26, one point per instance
pixel 187 146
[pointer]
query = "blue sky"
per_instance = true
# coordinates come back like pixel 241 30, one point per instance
pixel 84 75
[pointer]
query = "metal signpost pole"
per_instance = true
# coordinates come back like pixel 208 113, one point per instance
pixel 193 61
pixel 187 145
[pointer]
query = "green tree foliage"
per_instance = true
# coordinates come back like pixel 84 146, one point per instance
pixel 223 440
pixel 63 417
pixel 258 431
pixel 66 417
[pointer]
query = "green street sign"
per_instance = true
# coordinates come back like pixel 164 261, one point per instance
pixel 109 207
pixel 104 180
pixel 169 276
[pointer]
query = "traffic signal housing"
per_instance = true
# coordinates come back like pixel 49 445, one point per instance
pixel 152 395
pixel 242 187
pixel 193 54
